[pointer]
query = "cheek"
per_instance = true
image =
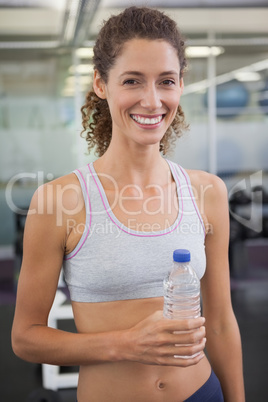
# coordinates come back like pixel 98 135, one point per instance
pixel 175 98
pixel 173 102
pixel 122 102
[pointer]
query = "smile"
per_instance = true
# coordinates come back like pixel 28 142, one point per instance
pixel 147 120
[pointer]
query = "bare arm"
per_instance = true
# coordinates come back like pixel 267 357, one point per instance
pixel 44 245
pixel 223 337
pixel 152 341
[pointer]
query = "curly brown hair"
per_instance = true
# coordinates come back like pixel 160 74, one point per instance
pixel 132 23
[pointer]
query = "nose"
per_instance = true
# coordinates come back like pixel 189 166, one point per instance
pixel 151 98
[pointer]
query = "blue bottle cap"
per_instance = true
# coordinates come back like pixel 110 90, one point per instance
pixel 181 255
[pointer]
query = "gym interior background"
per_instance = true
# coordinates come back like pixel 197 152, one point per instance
pixel 45 70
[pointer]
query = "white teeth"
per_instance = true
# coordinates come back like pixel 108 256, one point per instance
pixel 147 120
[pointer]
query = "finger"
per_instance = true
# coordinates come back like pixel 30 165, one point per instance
pixel 185 337
pixel 176 360
pixel 186 362
pixel 189 349
pixel 184 325
pixel 184 350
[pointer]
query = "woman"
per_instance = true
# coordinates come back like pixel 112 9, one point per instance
pixel 134 208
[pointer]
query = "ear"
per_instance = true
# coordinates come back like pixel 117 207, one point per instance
pixel 99 85
pixel 181 85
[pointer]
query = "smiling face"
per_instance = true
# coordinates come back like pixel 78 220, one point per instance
pixel 143 91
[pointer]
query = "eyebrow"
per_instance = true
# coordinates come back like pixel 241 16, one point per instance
pixel 138 73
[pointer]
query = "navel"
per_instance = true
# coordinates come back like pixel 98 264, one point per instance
pixel 160 385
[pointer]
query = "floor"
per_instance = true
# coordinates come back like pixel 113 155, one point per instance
pixel 250 301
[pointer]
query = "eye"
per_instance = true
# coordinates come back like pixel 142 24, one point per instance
pixel 130 81
pixel 168 82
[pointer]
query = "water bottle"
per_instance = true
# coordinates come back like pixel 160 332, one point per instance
pixel 181 290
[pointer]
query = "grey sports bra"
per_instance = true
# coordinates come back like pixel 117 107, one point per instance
pixel 113 262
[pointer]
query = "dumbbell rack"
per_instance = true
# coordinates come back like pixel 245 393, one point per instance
pixel 52 378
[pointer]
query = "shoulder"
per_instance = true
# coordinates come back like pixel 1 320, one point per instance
pixel 211 185
pixel 200 177
pixel 211 196
pixel 62 194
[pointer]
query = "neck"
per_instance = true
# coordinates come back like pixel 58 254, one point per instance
pixel 141 166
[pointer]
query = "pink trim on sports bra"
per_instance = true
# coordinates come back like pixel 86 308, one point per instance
pixel 90 218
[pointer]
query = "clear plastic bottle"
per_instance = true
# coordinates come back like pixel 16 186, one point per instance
pixel 181 290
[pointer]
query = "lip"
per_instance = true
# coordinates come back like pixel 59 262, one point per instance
pixel 148 126
pixel 148 116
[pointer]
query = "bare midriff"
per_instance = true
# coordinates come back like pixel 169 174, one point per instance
pixel 126 380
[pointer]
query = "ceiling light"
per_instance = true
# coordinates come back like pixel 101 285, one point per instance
pixel 29 45
pixel 83 84
pixel 68 92
pixel 85 53
pixel 33 3
pixel 81 69
pixel 84 80
pixel 203 51
pixel 248 76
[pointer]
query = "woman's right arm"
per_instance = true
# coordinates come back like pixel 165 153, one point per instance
pixel 44 245
pixel 152 341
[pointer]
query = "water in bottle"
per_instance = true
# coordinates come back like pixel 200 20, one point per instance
pixel 181 289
